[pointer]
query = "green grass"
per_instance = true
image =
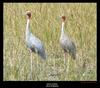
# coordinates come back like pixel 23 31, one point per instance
pixel 46 25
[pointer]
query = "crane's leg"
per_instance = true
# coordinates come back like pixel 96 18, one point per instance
pixel 65 66
pixel 31 65
pixel 66 63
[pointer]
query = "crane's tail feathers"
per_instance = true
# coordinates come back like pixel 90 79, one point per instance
pixel 43 56
pixel 74 57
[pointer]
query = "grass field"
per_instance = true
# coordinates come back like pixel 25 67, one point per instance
pixel 46 25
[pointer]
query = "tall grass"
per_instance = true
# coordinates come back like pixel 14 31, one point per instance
pixel 46 25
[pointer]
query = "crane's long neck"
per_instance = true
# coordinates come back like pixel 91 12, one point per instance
pixel 62 28
pixel 28 28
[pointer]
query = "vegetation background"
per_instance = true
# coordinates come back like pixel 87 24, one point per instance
pixel 46 25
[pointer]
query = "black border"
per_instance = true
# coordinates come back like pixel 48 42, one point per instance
pixel 1 42
pixel 41 84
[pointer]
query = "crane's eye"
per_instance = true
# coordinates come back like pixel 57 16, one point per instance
pixel 63 17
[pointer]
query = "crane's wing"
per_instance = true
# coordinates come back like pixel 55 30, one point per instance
pixel 68 45
pixel 72 50
pixel 38 46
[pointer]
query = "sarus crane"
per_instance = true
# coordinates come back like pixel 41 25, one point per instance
pixel 32 42
pixel 67 44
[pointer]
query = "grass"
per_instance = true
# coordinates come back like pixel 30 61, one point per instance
pixel 46 25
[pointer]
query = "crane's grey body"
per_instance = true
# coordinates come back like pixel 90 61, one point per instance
pixel 34 43
pixel 67 44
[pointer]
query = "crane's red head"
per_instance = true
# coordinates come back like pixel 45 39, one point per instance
pixel 28 14
pixel 63 18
